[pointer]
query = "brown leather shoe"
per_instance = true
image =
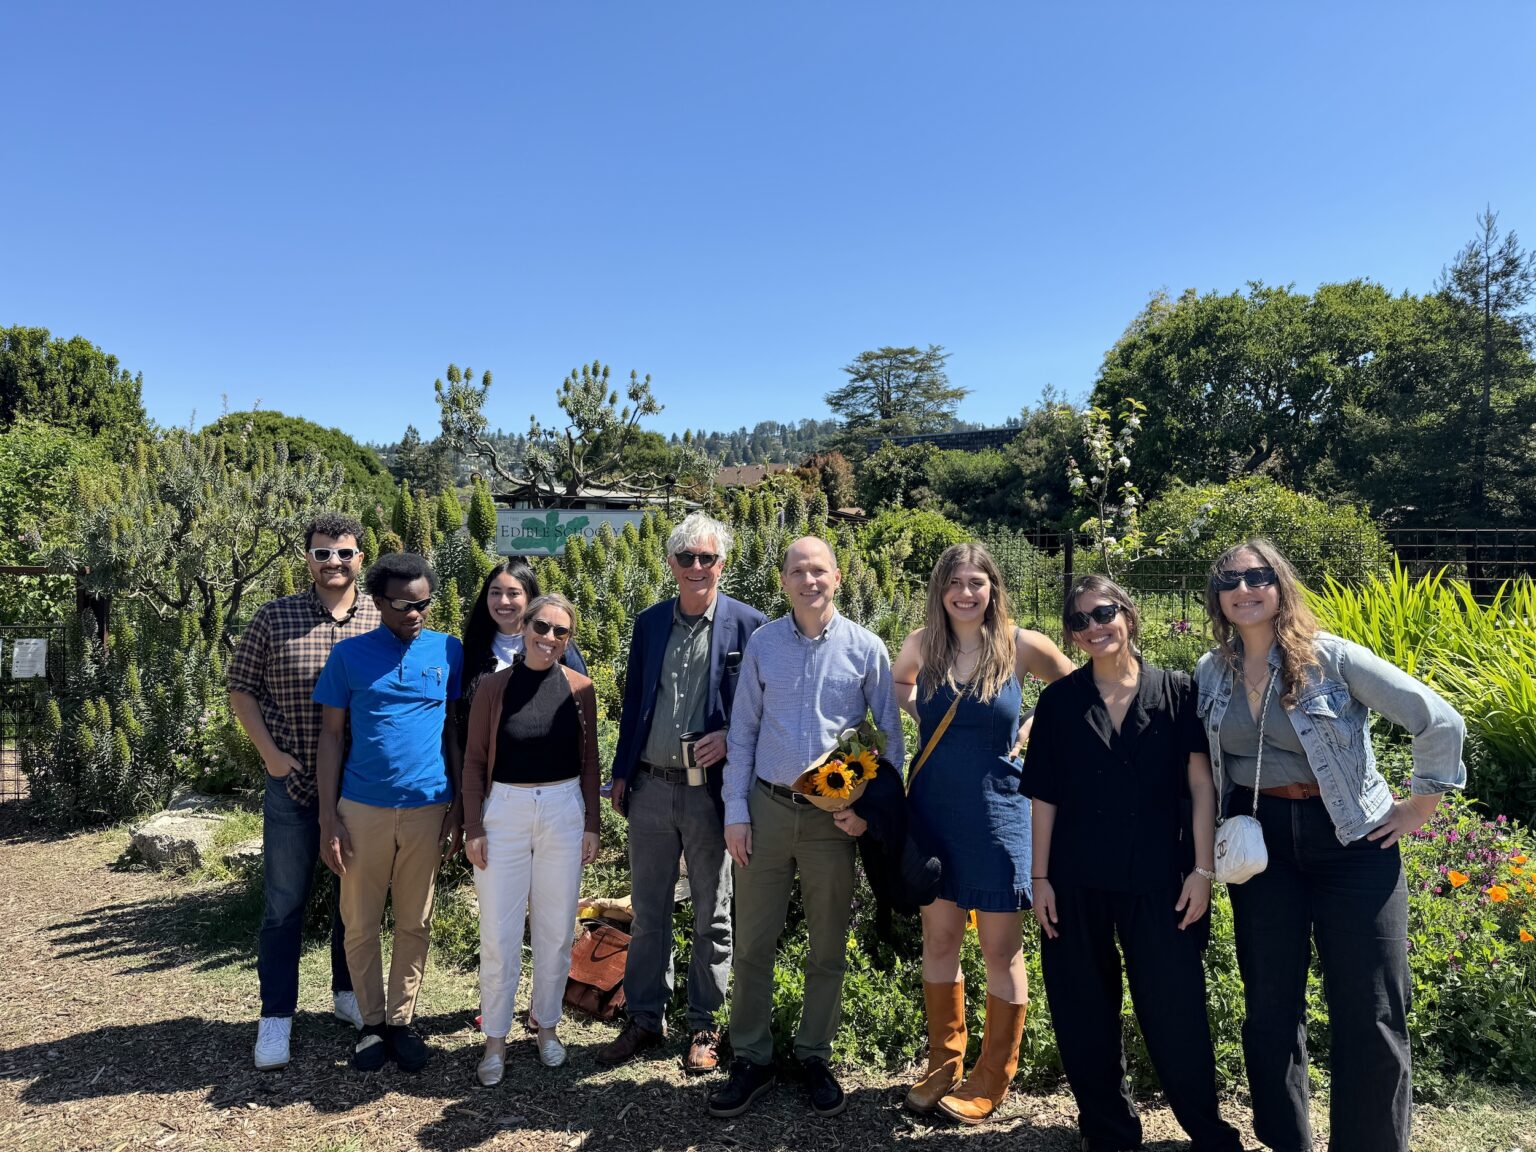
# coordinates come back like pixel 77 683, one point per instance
pixel 633 1040
pixel 703 1052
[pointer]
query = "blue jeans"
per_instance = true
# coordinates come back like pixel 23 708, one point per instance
pixel 1353 901
pixel 290 849
pixel 666 820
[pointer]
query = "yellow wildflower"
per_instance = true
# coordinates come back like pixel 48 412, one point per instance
pixel 864 765
pixel 1498 893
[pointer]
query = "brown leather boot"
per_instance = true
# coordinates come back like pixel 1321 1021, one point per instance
pixel 987 1085
pixel 946 1045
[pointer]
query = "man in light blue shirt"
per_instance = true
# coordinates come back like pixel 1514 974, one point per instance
pixel 805 679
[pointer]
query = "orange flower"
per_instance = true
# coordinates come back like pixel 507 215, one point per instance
pixel 1457 879
pixel 1498 893
pixel 1520 859
pixel 1526 937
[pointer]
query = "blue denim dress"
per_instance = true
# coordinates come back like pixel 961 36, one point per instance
pixel 965 805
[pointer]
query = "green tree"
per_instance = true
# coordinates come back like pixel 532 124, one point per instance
pixel 896 476
pixel 1049 433
pixel 601 445
pixel 1490 289
pixel 365 473
pixel 894 392
pixel 69 384
pixel 187 527
pixel 422 464
pixel 482 513
pixel 833 474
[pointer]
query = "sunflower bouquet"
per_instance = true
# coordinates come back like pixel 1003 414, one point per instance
pixel 839 778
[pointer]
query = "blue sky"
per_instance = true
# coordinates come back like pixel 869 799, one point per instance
pixel 321 206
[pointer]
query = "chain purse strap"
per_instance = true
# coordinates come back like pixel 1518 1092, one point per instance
pixel 1258 770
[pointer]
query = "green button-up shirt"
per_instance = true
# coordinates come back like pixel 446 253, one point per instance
pixel 682 696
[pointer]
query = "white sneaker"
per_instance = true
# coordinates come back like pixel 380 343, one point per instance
pixel 551 1052
pixel 344 1004
pixel 272 1042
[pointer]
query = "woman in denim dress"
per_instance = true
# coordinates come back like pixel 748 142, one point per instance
pixel 1331 830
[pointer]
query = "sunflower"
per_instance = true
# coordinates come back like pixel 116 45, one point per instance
pixel 863 765
pixel 834 779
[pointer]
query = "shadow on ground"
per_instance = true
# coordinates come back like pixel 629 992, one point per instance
pixel 205 927
pixel 640 1107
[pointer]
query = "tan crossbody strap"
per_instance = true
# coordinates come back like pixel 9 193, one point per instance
pixel 933 740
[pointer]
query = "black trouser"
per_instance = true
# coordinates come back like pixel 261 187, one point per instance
pixel 1167 977
pixel 1353 901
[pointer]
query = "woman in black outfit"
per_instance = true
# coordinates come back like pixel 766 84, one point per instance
pixel 1116 765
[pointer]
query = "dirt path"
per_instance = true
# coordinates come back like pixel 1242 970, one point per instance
pixel 126 1021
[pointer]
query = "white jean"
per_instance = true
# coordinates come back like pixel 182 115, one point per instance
pixel 532 845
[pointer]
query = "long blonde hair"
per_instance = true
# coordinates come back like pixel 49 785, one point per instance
pixel 995 662
pixel 1295 626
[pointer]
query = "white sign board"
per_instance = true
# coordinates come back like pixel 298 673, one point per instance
pixel 544 531
pixel 29 658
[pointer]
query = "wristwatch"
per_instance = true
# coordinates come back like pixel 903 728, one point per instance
pixel 1206 872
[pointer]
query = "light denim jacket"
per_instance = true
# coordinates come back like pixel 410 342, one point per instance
pixel 1332 719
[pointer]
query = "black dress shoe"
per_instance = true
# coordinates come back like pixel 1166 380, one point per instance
pixel 827 1097
pixel 408 1050
pixel 747 1082
pixel 371 1050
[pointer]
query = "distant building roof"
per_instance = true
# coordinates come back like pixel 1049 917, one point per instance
pixel 977 440
pixel 746 475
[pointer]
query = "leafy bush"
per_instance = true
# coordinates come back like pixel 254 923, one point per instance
pixel 912 539
pixel 1187 527
pixel 1482 657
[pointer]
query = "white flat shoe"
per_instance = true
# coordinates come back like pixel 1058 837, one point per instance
pixel 490 1071
pixel 551 1052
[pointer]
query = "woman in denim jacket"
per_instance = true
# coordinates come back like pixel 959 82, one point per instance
pixel 1277 686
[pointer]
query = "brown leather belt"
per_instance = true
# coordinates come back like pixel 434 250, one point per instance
pixel 1293 791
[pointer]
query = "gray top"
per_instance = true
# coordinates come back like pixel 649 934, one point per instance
pixel 1285 760
pixel 682 696
pixel 796 696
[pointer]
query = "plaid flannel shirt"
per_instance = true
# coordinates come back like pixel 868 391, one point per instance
pixel 278 661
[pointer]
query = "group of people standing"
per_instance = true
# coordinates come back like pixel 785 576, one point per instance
pixel 385 742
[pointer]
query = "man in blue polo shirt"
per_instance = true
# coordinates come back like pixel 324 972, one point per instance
pixel 399 801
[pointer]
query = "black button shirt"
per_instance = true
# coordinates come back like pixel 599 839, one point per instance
pixel 1122 798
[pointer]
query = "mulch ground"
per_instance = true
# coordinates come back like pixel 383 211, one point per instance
pixel 127 1010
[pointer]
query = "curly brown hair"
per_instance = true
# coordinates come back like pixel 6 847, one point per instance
pixel 1295 626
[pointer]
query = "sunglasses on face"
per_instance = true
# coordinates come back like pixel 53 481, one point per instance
pixel 410 605
pixel 1229 578
pixel 686 559
pixel 544 628
pixel 323 555
pixel 1103 614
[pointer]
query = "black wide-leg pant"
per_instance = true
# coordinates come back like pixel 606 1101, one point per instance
pixel 1167 979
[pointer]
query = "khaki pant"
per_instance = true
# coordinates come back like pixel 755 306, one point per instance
pixel 395 853
pixel 787 837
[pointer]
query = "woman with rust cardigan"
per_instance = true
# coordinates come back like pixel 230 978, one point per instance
pixel 530 821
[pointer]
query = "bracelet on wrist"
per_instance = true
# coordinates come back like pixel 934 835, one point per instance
pixel 1206 872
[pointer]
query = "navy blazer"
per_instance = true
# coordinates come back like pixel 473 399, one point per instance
pixel 734 623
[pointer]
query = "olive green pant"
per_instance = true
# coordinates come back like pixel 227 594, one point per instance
pixel 786 838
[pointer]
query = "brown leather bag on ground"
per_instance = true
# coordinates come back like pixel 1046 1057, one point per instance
pixel 596 982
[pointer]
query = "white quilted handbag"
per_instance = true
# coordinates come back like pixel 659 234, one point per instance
pixel 1240 851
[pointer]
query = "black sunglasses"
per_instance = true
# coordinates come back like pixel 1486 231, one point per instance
pixel 410 605
pixel 544 628
pixel 686 559
pixel 1103 614
pixel 323 555
pixel 1229 578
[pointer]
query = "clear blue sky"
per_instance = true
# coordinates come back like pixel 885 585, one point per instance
pixel 321 205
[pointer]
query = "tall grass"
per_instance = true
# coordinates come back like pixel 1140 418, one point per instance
pixel 1480 656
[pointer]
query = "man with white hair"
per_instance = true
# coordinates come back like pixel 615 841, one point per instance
pixel 683 664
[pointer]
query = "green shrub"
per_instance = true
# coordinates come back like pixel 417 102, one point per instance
pixel 1187 527
pixel 913 540
pixel 1482 657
